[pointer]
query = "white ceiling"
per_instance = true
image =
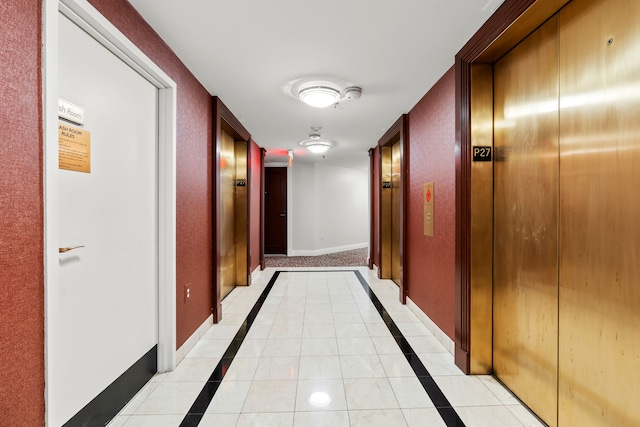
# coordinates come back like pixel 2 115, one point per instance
pixel 251 52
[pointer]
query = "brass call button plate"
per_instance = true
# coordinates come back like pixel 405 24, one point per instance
pixel 428 209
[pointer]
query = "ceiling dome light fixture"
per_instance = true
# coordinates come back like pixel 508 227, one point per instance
pixel 315 143
pixel 322 92
pixel 317 147
pixel 319 96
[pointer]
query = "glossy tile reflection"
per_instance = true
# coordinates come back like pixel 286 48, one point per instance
pixel 319 348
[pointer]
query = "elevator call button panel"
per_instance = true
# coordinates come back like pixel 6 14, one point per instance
pixel 428 209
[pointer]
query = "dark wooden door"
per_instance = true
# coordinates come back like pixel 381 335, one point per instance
pixel 275 211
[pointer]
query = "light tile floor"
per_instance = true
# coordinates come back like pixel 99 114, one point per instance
pixel 319 354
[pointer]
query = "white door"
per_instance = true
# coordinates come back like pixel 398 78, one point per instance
pixel 103 315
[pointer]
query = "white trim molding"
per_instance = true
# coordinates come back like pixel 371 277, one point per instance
pixel 255 274
pixel 188 345
pixel 435 330
pixel 325 251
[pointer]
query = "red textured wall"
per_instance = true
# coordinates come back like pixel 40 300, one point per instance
pixel 21 216
pixel 194 136
pixel 256 177
pixel 431 260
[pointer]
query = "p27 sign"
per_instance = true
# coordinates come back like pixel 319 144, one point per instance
pixel 481 154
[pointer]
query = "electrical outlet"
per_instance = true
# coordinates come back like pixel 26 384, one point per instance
pixel 187 293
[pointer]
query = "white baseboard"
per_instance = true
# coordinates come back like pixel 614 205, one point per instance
pixel 324 251
pixel 252 277
pixel 255 274
pixel 435 330
pixel 193 339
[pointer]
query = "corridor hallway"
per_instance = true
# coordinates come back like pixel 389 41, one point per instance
pixel 321 347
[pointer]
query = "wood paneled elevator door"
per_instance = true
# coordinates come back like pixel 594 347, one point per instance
pixel 525 213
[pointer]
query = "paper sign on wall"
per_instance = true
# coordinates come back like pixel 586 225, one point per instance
pixel 74 148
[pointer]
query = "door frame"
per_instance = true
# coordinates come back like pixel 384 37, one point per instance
pixel 509 25
pixel 224 120
pixel 91 21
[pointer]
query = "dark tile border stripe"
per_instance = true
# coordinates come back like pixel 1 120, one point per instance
pixel 444 408
pixel 197 410
pixel 446 411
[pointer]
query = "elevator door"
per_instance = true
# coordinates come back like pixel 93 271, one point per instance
pixel 227 228
pixel 567 140
pixel 391 213
pixel 599 206
pixel 525 211
pixel 396 212
pixel 385 212
pixel 233 202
